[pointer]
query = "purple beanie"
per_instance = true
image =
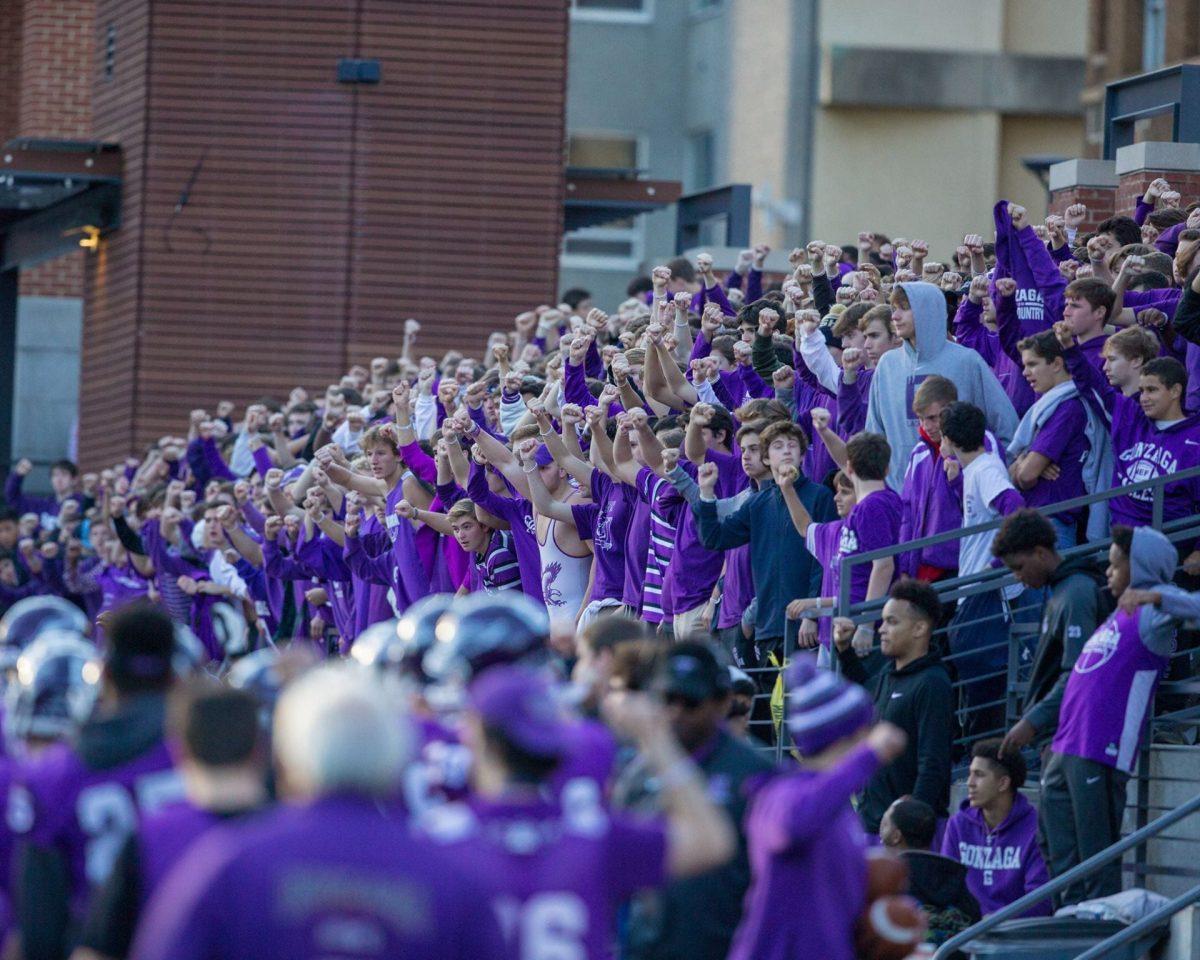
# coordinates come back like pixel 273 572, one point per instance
pixel 822 708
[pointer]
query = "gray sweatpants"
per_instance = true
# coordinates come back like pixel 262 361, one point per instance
pixel 1081 808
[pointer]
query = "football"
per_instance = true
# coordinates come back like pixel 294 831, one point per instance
pixel 890 928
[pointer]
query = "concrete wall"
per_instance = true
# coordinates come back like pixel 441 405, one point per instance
pixel 662 79
pixel 46 391
pixel 921 174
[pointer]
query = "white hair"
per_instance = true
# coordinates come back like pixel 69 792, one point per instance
pixel 337 730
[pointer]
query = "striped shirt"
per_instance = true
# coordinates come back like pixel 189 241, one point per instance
pixel 497 568
pixel 652 489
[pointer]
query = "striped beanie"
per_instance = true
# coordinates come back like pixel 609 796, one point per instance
pixel 822 708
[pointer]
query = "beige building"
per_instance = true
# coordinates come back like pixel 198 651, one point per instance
pixel 843 115
pixel 924 111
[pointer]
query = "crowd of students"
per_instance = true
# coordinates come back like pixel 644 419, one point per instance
pixel 675 484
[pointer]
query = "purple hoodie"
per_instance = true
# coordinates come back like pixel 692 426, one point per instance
pixel 1002 864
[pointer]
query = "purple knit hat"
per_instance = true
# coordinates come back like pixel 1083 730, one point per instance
pixel 822 708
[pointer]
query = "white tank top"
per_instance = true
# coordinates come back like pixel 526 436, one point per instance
pixel 564 577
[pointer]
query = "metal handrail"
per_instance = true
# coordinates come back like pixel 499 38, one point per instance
pixel 1088 867
pixel 1144 925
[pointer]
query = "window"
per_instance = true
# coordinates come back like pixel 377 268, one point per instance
pixel 700 162
pixel 1154 33
pixel 616 245
pixel 613 11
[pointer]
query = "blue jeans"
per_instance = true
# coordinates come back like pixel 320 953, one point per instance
pixel 1065 534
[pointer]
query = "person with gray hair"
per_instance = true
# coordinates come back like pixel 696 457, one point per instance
pixel 326 873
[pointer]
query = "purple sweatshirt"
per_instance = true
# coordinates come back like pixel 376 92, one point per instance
pixel 1142 449
pixel 1020 254
pixel 808 864
pixel 970 332
pixel 1002 864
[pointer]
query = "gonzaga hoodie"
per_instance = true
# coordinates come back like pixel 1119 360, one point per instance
pixel 901 371
pixel 1002 864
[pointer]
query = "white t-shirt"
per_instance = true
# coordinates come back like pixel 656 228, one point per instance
pixel 984 479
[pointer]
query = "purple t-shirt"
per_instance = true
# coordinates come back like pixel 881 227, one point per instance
pixel 336 877
pixel 605 521
pixel 557 875
pixel 873 523
pixel 1063 441
pixel 822 541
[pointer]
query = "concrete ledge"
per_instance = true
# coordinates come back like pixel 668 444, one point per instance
pixel 945 80
pixel 1083 173
pixel 1157 155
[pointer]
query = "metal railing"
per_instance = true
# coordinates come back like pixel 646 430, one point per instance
pixel 1079 871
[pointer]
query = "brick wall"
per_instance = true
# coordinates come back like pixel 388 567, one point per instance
pixel 1134 184
pixel 57 47
pixel 10 71
pixel 1098 200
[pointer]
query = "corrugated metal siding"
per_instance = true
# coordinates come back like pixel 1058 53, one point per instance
pixel 324 214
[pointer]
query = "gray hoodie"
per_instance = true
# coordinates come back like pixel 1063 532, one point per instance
pixel 900 372
pixel 1152 562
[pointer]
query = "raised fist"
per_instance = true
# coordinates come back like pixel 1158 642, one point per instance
pixel 1017 213
pixel 1155 189
pixel 1098 247
pixel 1074 215
pixel 979 288
pixel 1006 286
pixel 1171 199
pixel 852 358
pixel 920 249
pixel 768 321
pixel 760 254
pixel 116 506
pixel 23 467
pixel 786 475
pixel 784 378
pixel 702 414
pixel 224 409
pixel 411 328
pixel 742 353
pixel 865 241
pixel 405 510
pixel 273 478
pixel 570 414
pixel 660 277
pixel 820 418
pixel 704 262
pixel 974 243
pixel 670 458
pixel 1062 330
pixel 706 477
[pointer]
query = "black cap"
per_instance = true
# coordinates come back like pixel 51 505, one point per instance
pixel 692 670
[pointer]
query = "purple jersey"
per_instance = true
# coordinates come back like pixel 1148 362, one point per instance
pixel 1002 864
pixel 86 814
pixel 873 523
pixel 557 875
pixel 1109 694
pixel 335 877
pixel 664 512
pixel 808 864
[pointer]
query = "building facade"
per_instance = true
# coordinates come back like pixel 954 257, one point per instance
pixel 841 115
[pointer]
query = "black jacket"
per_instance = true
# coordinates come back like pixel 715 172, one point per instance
pixel 939 884
pixel 1078 603
pixel 918 700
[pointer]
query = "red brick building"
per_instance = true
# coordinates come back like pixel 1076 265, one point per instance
pixel 276 222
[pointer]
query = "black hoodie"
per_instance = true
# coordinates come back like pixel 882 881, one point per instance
pixel 918 700
pixel 939 884
pixel 1078 603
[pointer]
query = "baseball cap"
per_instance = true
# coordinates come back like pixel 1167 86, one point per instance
pixel 520 705
pixel 692 670
pixel 823 708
